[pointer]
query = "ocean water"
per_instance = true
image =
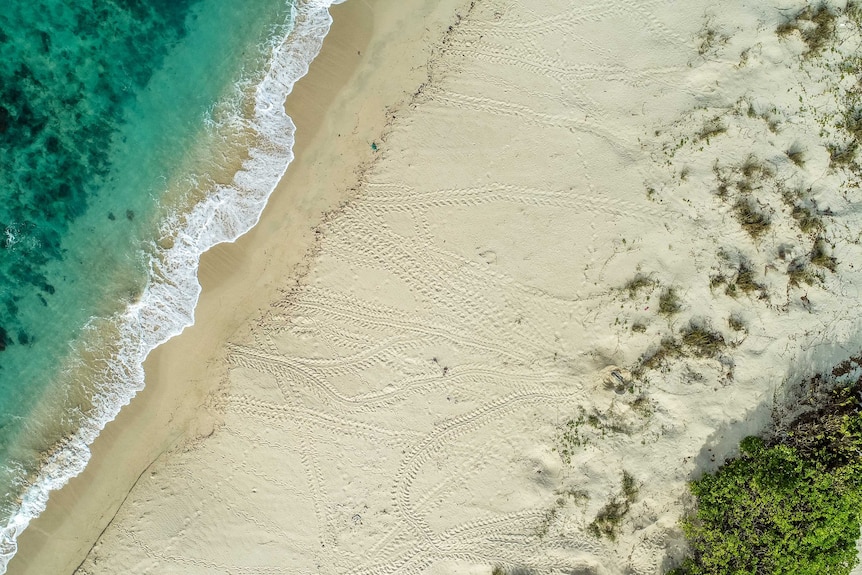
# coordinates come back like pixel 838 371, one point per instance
pixel 134 135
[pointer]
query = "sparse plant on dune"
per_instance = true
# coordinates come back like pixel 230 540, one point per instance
pixel 669 302
pixel 710 39
pixel 736 323
pixel 740 281
pixel 711 129
pixel 516 570
pixel 669 348
pixel 820 256
pixel 745 281
pixel 696 339
pixel 799 271
pixel 815 24
pixel 751 217
pixel 807 219
pixel 608 519
pixel 703 341
pixel 753 167
pixel 796 154
pixel 638 283
pixel 842 155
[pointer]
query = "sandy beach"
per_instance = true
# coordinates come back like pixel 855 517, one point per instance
pixel 533 262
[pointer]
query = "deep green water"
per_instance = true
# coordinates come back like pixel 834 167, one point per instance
pixel 115 116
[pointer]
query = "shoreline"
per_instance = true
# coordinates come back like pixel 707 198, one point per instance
pixel 502 330
pixel 183 372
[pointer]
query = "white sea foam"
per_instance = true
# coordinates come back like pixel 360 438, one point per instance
pixel 167 304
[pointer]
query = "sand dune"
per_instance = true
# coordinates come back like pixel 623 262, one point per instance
pixel 466 371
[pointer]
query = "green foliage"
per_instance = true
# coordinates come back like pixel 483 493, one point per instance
pixel 771 511
pixel 831 435
pixel 788 506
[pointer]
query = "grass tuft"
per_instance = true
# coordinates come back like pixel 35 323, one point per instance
pixel 820 256
pixel 608 519
pixel 630 487
pixel 842 155
pixel 745 281
pixel 816 26
pixel 796 155
pixel 669 302
pixel 754 167
pixel 668 349
pixel 703 341
pixel 752 220
pixel 807 219
pixel 736 323
pixel 711 129
pixel 799 272
pixel 637 283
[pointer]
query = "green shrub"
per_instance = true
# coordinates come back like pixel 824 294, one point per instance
pixel 788 506
pixel 772 512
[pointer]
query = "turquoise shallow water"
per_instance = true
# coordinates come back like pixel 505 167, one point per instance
pixel 69 73
pixel 123 124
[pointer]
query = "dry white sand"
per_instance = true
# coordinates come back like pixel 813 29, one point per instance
pixel 450 380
